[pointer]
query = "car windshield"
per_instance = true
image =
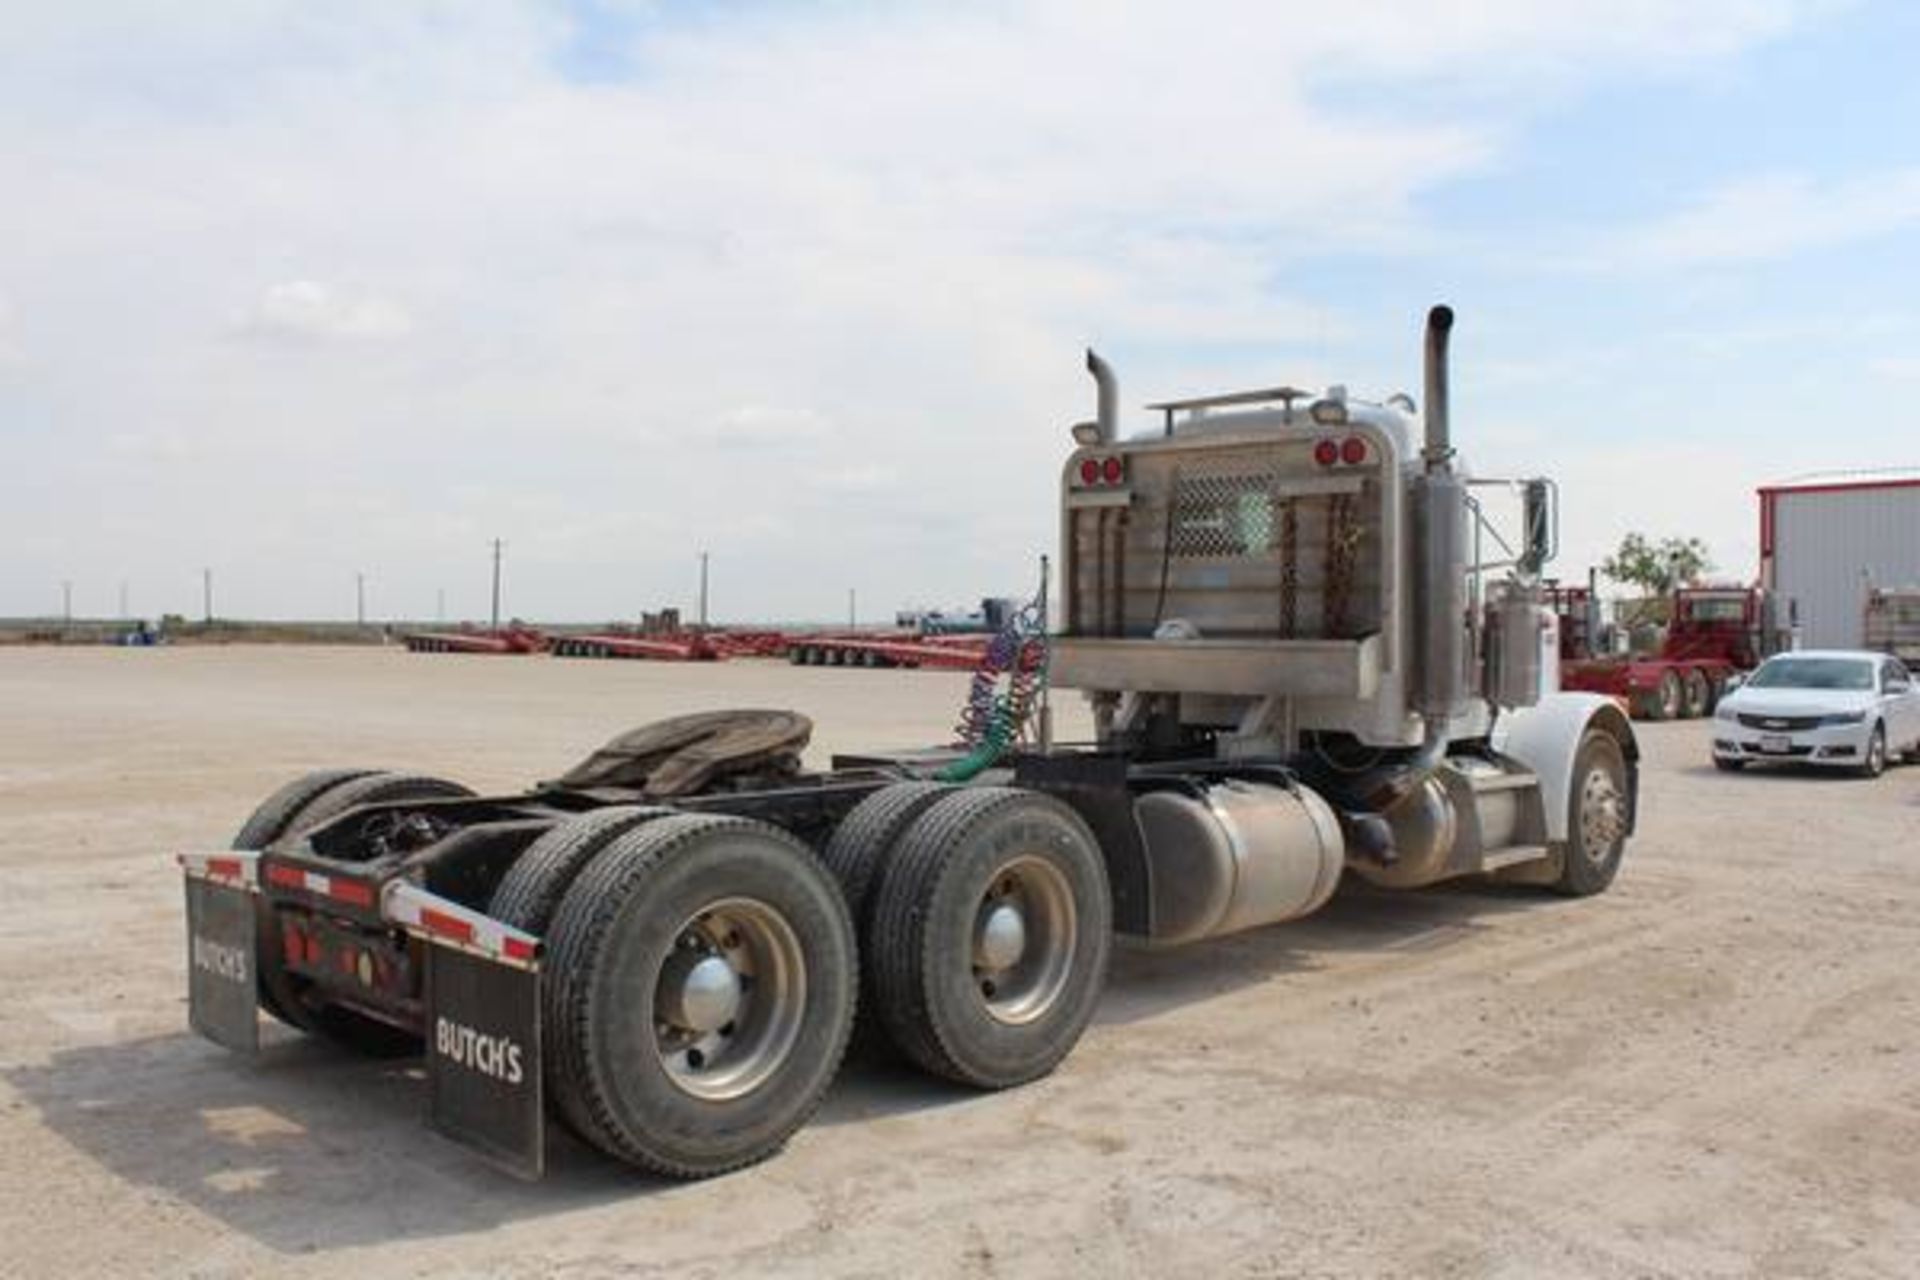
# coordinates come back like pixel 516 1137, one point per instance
pixel 1813 673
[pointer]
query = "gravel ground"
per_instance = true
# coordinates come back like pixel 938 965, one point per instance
pixel 1713 1070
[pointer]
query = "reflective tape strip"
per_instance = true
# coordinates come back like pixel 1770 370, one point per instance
pixel 446 923
pixel 353 892
pixel 239 867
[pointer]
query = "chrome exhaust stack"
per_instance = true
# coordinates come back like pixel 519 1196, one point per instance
pixel 1107 413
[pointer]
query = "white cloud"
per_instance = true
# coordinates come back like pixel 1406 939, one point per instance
pixel 881 235
pixel 1774 216
pixel 310 310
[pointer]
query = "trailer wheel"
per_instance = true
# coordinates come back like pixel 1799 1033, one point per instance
pixel 1596 817
pixel 281 993
pixel 988 945
pixel 1697 699
pixel 1665 700
pixel 701 994
pixel 530 892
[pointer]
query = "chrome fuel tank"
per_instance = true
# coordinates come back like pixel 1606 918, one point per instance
pixel 1236 855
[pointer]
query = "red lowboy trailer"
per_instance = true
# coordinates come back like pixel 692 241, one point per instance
pixel 1712 632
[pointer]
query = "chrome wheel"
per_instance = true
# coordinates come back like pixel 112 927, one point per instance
pixel 1603 819
pixel 729 999
pixel 1024 932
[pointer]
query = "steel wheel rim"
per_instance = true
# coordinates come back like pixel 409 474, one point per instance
pixel 708 1047
pixel 1019 984
pixel 1600 817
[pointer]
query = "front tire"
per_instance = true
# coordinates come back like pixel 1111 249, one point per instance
pixel 990 934
pixel 1596 817
pixel 700 994
pixel 1874 763
pixel 1725 765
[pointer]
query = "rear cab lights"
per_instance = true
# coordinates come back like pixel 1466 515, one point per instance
pixel 1102 471
pixel 1351 451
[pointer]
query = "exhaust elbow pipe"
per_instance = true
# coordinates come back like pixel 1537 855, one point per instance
pixel 1439 446
pixel 1108 411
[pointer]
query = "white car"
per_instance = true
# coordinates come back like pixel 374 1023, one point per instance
pixel 1835 707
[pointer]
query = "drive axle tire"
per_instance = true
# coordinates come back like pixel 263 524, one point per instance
pixel 700 992
pixel 380 788
pixel 988 945
pixel 278 812
pixel 273 819
pixel 1726 765
pixel 530 892
pixel 330 794
pixel 1596 816
pixel 861 842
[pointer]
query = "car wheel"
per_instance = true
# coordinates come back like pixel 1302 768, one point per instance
pixel 1874 763
pixel 1725 765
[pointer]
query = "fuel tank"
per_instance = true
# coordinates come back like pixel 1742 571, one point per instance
pixel 1236 854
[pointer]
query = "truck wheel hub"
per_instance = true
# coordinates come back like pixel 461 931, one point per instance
pixel 705 996
pixel 1001 938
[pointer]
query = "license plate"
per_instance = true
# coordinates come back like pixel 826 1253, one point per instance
pixel 222 987
pixel 1776 743
pixel 483 1057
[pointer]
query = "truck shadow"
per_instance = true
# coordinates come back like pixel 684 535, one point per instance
pixel 308 1149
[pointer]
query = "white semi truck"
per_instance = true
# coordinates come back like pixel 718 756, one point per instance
pixel 1308 654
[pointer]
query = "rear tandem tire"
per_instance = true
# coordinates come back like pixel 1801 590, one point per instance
pixel 276 816
pixel 1596 817
pixel 861 842
pixel 699 994
pixel 964 990
pixel 530 892
pixel 1697 698
pixel 1665 701
pixel 281 993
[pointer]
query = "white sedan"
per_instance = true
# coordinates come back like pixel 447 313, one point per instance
pixel 1838 708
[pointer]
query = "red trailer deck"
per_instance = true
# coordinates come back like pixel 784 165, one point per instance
pixel 503 640
pixel 948 653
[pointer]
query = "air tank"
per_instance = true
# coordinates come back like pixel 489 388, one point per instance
pixel 1237 854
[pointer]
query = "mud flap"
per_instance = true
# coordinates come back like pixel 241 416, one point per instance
pixel 483 1057
pixel 222 986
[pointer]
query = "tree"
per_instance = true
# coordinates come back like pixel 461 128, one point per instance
pixel 1657 568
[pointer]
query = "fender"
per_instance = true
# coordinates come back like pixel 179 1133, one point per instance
pixel 1546 736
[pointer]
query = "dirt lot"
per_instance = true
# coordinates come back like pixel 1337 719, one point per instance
pixel 1712 1070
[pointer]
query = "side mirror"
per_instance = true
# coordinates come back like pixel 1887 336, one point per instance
pixel 1899 686
pixel 1734 681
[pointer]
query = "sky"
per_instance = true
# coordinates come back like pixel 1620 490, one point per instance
pixel 298 293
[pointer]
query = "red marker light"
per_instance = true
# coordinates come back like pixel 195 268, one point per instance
pixel 1326 453
pixel 1090 471
pixel 1354 451
pixel 1113 470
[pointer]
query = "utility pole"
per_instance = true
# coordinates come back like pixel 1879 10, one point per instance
pixel 852 621
pixel 206 594
pixel 66 602
pixel 360 599
pixel 703 591
pixel 497 544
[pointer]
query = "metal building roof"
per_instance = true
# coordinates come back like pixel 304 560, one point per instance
pixel 1867 478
